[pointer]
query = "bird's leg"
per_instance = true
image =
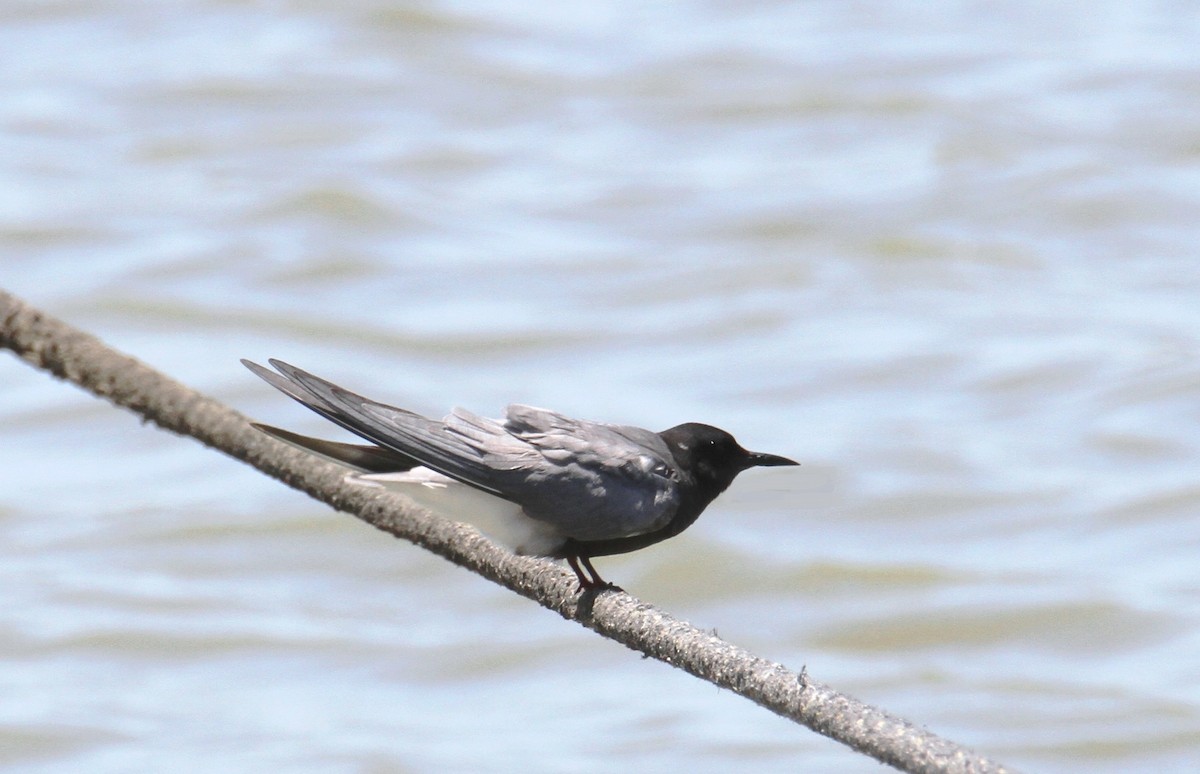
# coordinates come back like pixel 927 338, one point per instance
pixel 584 581
pixel 597 581
pixel 592 580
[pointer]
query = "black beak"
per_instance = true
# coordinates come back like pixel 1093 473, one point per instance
pixel 760 460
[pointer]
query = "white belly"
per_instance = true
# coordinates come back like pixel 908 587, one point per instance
pixel 500 520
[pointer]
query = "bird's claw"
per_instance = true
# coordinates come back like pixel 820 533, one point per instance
pixel 583 588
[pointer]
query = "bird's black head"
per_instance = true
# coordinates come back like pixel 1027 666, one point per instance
pixel 712 457
pixel 707 460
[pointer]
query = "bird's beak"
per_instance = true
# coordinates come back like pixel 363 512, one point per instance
pixel 760 460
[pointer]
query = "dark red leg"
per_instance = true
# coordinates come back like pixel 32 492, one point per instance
pixel 597 581
pixel 592 580
pixel 584 582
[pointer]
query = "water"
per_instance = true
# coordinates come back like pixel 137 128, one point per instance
pixel 943 254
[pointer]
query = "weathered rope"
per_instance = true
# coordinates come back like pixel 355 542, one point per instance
pixel 84 360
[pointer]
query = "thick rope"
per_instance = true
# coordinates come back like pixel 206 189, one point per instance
pixel 84 360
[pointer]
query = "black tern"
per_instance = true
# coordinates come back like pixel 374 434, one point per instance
pixel 566 488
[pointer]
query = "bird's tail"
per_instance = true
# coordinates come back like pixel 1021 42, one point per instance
pixel 365 458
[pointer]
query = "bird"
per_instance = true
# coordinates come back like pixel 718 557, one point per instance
pixel 556 487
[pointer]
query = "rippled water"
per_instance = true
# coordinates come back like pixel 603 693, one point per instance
pixel 942 253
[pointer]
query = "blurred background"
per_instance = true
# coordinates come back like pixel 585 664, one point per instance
pixel 942 253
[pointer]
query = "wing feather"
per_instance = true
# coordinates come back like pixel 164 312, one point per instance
pixel 595 481
pixel 425 440
pixel 587 480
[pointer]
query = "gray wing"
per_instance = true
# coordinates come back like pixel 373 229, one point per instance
pixel 591 481
pixel 595 481
pixel 466 448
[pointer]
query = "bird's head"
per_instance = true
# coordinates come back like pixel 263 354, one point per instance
pixel 712 456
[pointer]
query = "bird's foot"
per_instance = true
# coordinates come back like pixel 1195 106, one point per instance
pixel 597 587
pixel 591 580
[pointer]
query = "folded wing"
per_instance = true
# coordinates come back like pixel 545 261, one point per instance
pixel 588 480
